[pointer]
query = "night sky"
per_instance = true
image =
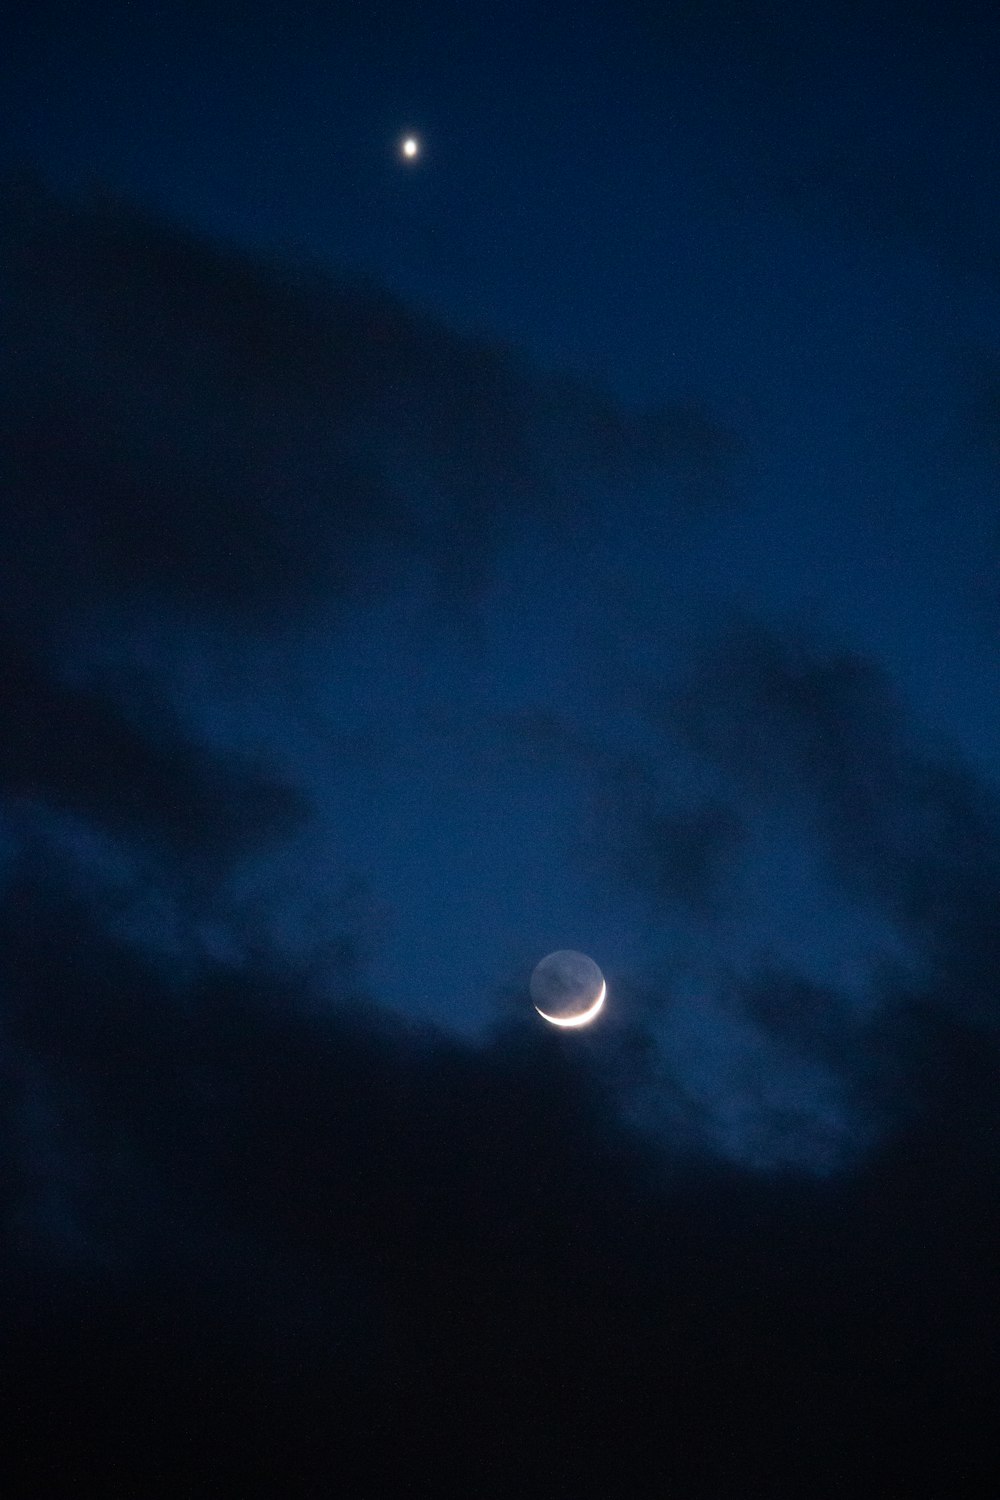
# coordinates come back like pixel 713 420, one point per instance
pixel 584 534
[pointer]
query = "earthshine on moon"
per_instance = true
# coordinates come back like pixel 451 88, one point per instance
pixel 568 989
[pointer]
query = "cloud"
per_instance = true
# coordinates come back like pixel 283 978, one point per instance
pixel 906 825
pixel 199 451
pixel 186 424
pixel 813 874
pixel 815 1020
pixel 135 773
pixel 677 844
pixel 685 855
pixel 329 1238
pixel 262 1233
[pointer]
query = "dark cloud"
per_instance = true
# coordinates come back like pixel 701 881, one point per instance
pixel 135 773
pixel 676 845
pixel 903 823
pixel 905 830
pixel 685 855
pixel 812 1018
pixel 321 1238
pixel 811 870
pixel 184 423
pixel 258 1234
pixel 815 870
pixel 190 436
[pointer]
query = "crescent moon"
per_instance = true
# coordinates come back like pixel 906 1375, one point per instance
pixel 585 1015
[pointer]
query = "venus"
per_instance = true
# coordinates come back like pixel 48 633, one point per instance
pixel 568 988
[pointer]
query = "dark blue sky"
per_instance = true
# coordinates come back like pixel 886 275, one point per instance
pixel 583 536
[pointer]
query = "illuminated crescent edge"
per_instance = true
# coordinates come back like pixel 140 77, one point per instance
pixel 583 1017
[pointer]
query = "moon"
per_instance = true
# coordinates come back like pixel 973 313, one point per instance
pixel 409 147
pixel 568 989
